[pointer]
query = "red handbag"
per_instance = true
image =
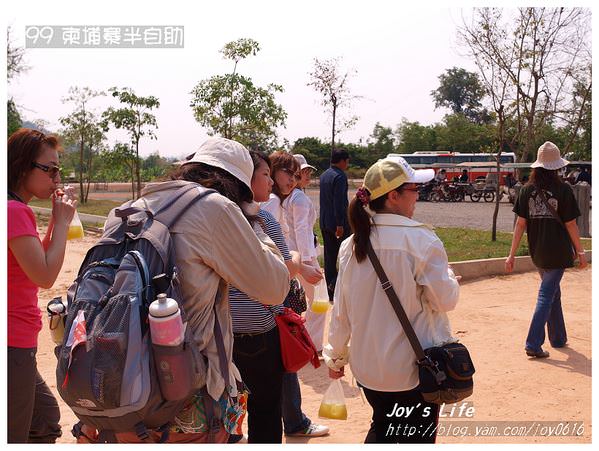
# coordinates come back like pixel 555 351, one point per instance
pixel 297 348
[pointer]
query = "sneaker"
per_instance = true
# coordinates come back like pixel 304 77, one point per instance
pixel 320 356
pixel 314 430
pixel 537 354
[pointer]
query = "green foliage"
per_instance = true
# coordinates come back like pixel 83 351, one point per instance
pixel 85 132
pixel 232 106
pixel 414 137
pixel 462 92
pixel 240 49
pixel 136 119
pixel 13 118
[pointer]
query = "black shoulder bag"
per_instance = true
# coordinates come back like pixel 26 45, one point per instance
pixel 445 372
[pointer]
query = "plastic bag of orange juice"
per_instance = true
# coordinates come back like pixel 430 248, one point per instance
pixel 320 303
pixel 333 402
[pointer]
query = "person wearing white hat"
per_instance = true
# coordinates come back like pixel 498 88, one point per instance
pixel 364 330
pixel 547 210
pixel 215 246
pixel 301 217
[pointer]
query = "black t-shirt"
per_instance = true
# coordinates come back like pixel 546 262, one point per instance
pixel 548 241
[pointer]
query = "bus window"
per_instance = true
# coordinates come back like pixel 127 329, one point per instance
pixel 428 160
pixel 412 159
pixel 507 158
pixel 443 159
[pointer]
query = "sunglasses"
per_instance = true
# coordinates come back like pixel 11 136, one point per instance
pixel 52 171
pixel 292 174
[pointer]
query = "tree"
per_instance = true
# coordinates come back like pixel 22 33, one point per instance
pixel 232 106
pixel 413 137
pixel 136 119
pixel 329 81
pixel 121 156
pixel 85 130
pixel 383 142
pixel 13 118
pixel 542 52
pixel 461 91
pixel 15 65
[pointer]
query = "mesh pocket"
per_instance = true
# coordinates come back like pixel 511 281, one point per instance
pixel 110 337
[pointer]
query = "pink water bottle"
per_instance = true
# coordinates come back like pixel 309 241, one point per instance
pixel 166 326
pixel 172 359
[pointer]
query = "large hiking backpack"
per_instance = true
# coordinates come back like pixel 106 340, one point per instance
pixel 105 371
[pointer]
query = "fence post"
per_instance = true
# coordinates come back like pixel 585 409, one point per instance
pixel 582 193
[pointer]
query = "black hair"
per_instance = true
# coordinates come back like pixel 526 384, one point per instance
pixel 360 221
pixel 543 178
pixel 339 155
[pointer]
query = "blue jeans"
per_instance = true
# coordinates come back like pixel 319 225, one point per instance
pixel 294 419
pixel 548 311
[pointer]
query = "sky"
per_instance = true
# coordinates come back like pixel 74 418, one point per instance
pixel 398 52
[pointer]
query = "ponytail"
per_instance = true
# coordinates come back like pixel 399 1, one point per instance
pixel 359 221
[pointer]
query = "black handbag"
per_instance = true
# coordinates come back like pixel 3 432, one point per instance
pixel 445 372
pixel 296 297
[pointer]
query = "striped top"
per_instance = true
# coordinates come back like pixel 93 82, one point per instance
pixel 250 316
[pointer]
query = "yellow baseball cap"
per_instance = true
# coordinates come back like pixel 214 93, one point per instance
pixel 390 173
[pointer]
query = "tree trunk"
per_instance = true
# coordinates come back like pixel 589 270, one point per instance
pixel 333 129
pixel 81 192
pixel 132 180
pixel 501 130
pixel 89 177
pixel 137 170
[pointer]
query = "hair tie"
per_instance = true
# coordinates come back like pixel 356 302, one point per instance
pixel 363 195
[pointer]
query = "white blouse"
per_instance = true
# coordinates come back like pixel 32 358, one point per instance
pixel 274 207
pixel 380 356
pixel 301 217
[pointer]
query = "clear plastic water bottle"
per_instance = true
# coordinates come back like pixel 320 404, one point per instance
pixel 171 358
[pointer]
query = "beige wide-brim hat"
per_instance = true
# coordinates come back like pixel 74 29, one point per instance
pixel 548 157
pixel 226 154
pixel 392 172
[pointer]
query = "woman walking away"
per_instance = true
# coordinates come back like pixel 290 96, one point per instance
pixel 285 173
pixel 547 210
pixel 33 414
pixel 381 357
pixel 301 217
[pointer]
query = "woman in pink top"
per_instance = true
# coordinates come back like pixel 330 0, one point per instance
pixel 33 414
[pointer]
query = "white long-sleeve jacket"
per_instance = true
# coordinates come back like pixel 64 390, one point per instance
pixel 380 356
pixel 301 216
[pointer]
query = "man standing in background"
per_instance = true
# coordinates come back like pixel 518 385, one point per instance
pixel 333 214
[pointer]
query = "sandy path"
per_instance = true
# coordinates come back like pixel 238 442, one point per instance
pixel 492 320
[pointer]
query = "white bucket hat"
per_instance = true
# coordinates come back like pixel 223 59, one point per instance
pixel 548 157
pixel 228 155
pixel 392 172
pixel 302 162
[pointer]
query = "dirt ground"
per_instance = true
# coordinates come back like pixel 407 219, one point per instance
pixel 492 319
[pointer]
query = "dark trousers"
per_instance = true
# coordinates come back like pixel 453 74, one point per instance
pixel 418 427
pixel 331 250
pixel 258 358
pixel 33 413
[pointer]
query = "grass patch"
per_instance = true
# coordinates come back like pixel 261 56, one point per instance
pixel 92 207
pixel 467 244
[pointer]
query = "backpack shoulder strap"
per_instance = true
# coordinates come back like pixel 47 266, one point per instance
pixel 170 212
